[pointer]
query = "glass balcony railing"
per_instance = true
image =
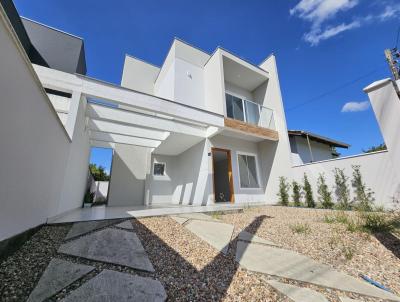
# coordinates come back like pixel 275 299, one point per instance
pixel 249 112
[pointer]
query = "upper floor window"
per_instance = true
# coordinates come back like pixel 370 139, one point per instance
pixel 159 169
pixel 234 107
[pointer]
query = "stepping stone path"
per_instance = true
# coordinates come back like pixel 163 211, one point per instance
pixel 112 246
pixel 291 265
pixel 217 234
pixel 58 275
pixel 248 237
pixel 297 294
pixel 116 286
pixel 127 225
pixel 81 228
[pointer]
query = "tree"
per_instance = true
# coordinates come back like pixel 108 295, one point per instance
pixel 99 173
pixel 308 192
pixel 296 194
pixel 324 195
pixel 363 196
pixel 380 147
pixel 342 191
pixel 283 193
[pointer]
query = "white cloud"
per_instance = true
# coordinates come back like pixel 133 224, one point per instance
pixel 319 12
pixel 316 36
pixel 355 106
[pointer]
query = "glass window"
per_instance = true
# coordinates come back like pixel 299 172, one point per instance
pixel 234 107
pixel 159 169
pixel 247 171
pixel 252 113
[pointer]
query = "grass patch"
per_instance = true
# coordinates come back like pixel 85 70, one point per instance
pixel 300 228
pixel 216 215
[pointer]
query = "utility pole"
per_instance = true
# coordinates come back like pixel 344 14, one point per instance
pixel 393 64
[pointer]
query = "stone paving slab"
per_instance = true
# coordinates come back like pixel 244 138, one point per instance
pixel 217 234
pixel 127 225
pixel 197 216
pixel 81 228
pixel 180 220
pixel 288 264
pixel 58 275
pixel 347 299
pixel 111 286
pixel 297 294
pixel 248 237
pixel 112 246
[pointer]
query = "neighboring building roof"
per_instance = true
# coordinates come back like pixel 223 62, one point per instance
pixel 318 138
pixel 47 46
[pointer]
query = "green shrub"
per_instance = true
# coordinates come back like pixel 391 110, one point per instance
pixel 342 191
pixel 283 193
pixel 376 222
pixel 363 199
pixel 324 195
pixel 300 228
pixel 296 194
pixel 308 192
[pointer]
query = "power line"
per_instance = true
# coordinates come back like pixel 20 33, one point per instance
pixel 316 98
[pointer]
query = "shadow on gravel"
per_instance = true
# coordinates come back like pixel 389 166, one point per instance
pixel 390 241
pixel 183 281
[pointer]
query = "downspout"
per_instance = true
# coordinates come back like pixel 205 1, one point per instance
pixel 309 148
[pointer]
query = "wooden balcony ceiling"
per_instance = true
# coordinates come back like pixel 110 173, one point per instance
pixel 251 129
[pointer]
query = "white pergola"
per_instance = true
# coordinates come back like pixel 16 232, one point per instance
pixel 117 115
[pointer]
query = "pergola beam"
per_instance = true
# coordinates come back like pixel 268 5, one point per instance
pixel 120 116
pixel 115 128
pixel 123 139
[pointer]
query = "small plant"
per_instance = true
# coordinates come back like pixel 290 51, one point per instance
pixel 283 194
pixel 300 228
pixel 329 219
pixel 296 194
pixel 348 252
pixel 376 222
pixel 308 192
pixel 324 195
pixel 363 199
pixel 342 191
pixel 216 215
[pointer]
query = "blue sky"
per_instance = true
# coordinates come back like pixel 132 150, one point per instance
pixel 327 50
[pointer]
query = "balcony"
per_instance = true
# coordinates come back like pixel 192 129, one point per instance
pixel 250 117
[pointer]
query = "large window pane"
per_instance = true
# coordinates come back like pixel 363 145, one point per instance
pixel 251 165
pixel 234 107
pixel 247 171
pixel 244 177
pixel 252 113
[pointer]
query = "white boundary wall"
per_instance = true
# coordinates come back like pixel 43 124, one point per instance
pixel 376 169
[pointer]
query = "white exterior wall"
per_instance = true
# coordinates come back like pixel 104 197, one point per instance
pixel 376 169
pixel 101 189
pixel 34 147
pixel 130 167
pixel 214 88
pixel 77 167
pixel 277 154
pixel 235 90
pixel 189 84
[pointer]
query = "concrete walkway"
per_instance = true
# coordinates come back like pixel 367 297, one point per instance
pixel 105 213
pixel 263 256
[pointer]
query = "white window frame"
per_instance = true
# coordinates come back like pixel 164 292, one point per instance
pixel 257 170
pixel 165 168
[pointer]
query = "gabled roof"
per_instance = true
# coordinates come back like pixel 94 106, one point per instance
pixel 318 138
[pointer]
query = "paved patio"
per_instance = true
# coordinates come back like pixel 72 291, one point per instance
pixel 104 212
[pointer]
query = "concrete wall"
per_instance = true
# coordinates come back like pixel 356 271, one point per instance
pixel 214 88
pixel 77 165
pixel 130 167
pixel 101 190
pixel 34 144
pixel 376 169
pixel 139 75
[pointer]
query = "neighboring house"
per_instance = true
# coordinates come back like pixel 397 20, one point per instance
pixel 308 147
